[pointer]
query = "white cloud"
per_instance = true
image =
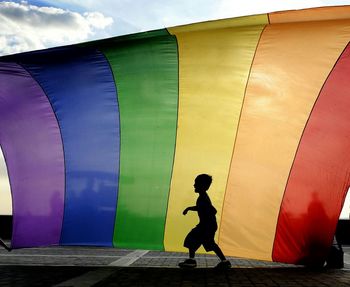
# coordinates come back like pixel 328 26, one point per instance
pixel 26 27
pixel 133 16
pixel 97 20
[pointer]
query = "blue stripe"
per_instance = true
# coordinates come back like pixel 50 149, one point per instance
pixel 80 86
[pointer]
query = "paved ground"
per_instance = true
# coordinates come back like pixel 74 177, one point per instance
pixel 77 266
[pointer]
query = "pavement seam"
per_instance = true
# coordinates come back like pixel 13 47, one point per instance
pixel 129 259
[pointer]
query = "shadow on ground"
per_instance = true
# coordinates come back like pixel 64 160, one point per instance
pixel 135 276
pixel 233 277
pixel 25 276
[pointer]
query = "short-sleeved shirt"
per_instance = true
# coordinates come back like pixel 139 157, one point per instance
pixel 206 211
pixel 204 232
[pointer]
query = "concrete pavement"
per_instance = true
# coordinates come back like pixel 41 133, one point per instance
pixel 91 266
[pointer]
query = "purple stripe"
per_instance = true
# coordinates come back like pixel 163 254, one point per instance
pixel 31 142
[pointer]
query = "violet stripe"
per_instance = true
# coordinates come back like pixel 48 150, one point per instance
pixel 31 142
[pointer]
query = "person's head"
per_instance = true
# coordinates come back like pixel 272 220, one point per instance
pixel 202 183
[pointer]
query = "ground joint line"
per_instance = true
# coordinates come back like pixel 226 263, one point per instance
pixel 91 278
pixel 129 259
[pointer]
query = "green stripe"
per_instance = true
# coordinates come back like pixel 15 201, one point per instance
pixel 146 75
pixel 111 42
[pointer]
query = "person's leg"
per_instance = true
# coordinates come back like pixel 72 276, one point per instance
pixel 192 243
pixel 218 252
pixel 224 263
pixel 192 253
pixel 190 262
pixel 210 244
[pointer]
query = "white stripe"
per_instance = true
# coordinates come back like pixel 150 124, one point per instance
pixel 129 259
pixel 88 279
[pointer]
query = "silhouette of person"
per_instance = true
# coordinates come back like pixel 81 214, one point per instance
pixel 335 258
pixel 315 239
pixel 2 243
pixel 204 232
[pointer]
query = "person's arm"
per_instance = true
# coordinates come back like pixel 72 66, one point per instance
pixel 190 208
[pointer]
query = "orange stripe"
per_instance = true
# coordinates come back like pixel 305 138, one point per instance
pixel 291 64
pixel 315 14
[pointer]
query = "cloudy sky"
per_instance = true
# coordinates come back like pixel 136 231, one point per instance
pixel 31 25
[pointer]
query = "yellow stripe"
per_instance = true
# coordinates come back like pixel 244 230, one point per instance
pixel 213 70
pixel 290 67
pixel 221 24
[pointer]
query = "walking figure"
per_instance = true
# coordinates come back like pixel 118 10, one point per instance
pixel 204 232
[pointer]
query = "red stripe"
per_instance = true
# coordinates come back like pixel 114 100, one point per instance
pixel 319 178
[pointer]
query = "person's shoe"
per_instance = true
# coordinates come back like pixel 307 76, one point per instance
pixel 188 263
pixel 223 265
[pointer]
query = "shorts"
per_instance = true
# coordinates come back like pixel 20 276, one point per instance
pixel 201 236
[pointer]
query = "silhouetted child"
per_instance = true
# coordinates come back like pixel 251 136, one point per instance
pixel 204 232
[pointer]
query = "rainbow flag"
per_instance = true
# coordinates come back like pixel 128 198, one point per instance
pixel 103 140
